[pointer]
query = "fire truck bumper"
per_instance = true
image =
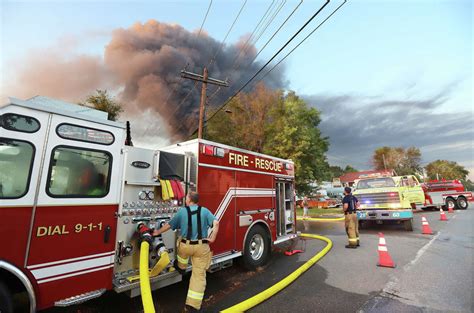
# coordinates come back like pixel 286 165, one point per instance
pixel 384 215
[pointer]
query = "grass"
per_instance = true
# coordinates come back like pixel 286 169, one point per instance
pixel 315 212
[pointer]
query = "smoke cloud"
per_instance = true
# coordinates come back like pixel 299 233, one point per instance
pixel 142 65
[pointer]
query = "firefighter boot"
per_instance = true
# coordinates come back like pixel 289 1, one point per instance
pixel 175 265
pixel 188 308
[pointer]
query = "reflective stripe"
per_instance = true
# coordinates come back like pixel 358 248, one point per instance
pixel 352 239
pixel 182 260
pixel 195 295
pixel 382 248
pixel 382 241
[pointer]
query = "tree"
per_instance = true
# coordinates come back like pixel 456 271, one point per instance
pixel 403 161
pixel 102 101
pixel 270 122
pixel 294 134
pixel 350 169
pixel 337 171
pixel 444 169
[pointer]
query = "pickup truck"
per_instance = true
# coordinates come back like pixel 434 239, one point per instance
pixel 388 199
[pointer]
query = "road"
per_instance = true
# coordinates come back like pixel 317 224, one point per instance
pixel 434 273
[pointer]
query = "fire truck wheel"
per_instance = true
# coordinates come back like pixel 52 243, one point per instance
pixel 462 203
pixel 257 248
pixel 408 224
pixel 6 305
pixel 450 203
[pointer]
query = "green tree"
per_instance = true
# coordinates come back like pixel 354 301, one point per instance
pixel 350 169
pixel 294 134
pixel 444 169
pixel 403 161
pixel 337 171
pixel 284 126
pixel 102 101
pixel 468 184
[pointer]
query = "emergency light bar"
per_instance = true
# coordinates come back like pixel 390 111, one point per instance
pixel 213 151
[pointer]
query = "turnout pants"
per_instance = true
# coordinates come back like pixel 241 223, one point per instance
pixel 201 256
pixel 356 224
pixel 350 221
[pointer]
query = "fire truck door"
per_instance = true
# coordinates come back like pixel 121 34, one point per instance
pixel 284 207
pixel 21 147
pixel 72 240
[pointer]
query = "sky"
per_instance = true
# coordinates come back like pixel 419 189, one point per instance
pixel 395 72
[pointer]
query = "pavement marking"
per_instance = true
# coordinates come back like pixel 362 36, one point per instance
pixel 389 288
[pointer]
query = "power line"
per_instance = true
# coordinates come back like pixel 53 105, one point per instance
pixel 253 33
pixel 205 18
pixel 271 20
pixel 274 34
pixel 269 61
pixel 228 32
pixel 218 49
pixel 266 44
pixel 251 40
pixel 304 39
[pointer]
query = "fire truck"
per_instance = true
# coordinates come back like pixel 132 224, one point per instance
pixel 72 194
pixel 449 194
pixel 386 198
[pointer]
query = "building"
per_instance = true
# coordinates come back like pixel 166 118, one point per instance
pixel 347 180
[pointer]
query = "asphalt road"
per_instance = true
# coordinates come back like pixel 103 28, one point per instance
pixel 434 273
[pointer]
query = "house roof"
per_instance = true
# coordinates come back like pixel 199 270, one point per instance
pixel 351 177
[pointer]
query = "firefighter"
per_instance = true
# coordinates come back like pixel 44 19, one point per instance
pixel 350 204
pixel 193 221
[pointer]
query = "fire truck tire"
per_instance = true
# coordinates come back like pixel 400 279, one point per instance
pixel 6 304
pixel 408 224
pixel 462 203
pixel 257 248
pixel 450 203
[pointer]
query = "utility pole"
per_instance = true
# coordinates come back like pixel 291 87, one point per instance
pixel 205 79
pixel 383 158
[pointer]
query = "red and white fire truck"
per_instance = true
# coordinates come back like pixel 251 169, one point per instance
pixel 72 194
pixel 446 193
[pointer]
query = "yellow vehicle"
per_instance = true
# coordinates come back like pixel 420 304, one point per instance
pixel 388 198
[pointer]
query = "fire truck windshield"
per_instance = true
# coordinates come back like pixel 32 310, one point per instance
pixel 376 183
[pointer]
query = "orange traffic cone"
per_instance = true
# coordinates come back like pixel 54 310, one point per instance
pixel 442 215
pixel 450 209
pixel 426 229
pixel 384 258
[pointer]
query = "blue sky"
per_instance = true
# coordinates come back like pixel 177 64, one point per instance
pixel 369 51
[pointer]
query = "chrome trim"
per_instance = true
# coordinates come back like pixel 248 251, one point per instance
pixel 38 186
pixel 285 238
pixel 24 280
pixel 256 211
pixel 226 257
pixel 124 153
pixel 80 298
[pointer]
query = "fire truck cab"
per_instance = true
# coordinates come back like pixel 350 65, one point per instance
pixel 72 195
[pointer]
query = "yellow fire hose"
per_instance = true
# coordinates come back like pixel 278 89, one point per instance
pixel 320 219
pixel 264 295
pixel 145 288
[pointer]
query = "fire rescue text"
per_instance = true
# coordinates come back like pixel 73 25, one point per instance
pixel 243 160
